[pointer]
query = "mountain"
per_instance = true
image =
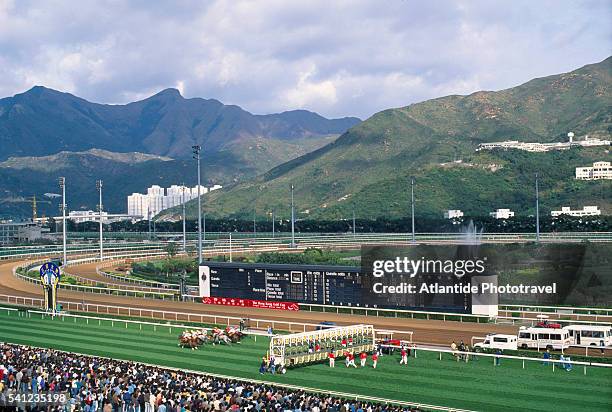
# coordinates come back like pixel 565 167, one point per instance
pixel 45 134
pixel 43 121
pixel 125 173
pixel 369 167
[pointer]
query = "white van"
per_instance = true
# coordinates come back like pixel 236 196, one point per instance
pixel 544 338
pixel 592 335
pixel 498 341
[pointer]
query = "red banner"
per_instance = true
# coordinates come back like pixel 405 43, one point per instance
pixel 251 303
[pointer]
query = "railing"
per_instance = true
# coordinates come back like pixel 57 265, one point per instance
pixel 433 315
pixel 189 317
pixel 555 309
pixel 127 279
pixel 308 240
pixel 444 316
pixel 127 322
pixel 495 357
pixel 37 251
pixel 99 290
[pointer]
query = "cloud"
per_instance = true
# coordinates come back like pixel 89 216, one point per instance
pixel 334 57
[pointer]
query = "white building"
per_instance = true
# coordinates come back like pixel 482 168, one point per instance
pixel 599 171
pixel 585 211
pixel 194 190
pixel 157 199
pixel 502 214
pixel 544 147
pixel 14 232
pixel 453 214
pixel 80 216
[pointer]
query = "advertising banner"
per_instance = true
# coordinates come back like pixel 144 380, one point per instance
pixel 251 303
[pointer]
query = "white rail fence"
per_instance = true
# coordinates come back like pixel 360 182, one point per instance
pixel 189 317
pixel 458 355
pixel 463 356
pixel 444 316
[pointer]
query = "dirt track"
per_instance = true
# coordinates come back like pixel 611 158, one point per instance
pixel 435 332
pixel 425 331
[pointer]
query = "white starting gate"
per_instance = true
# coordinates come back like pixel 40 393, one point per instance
pixel 308 347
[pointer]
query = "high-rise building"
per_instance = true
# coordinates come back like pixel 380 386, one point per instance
pixel 141 206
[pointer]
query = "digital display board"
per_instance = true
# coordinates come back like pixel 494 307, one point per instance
pixel 324 285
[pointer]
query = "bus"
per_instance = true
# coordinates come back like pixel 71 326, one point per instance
pixel 591 335
pixel 544 338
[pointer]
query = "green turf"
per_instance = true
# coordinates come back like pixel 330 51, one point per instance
pixel 476 385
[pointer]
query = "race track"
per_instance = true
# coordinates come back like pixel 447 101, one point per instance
pixel 425 331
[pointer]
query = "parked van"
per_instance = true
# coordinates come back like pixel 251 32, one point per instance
pixel 498 341
pixel 544 338
pixel 591 335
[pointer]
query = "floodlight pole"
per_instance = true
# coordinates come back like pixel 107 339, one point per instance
pixel 62 184
pixel 196 155
pixel 149 220
pixel 292 219
pixel 272 222
pixel 100 207
pixel 184 225
pixel 537 209
pixel 254 225
pixel 412 206
pixel 354 230
pixel 230 245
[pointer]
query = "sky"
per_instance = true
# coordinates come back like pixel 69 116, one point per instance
pixel 337 58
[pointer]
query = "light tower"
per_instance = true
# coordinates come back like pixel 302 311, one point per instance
pixel 62 184
pixel 100 207
pixel 149 220
pixel 196 155
pixel 412 206
pixel 184 228
pixel 292 219
pixel 537 193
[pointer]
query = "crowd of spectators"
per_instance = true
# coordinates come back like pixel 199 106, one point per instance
pixel 99 384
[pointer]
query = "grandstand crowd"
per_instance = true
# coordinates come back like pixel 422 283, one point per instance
pixel 99 384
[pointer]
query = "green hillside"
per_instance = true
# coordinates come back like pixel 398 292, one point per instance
pixel 125 173
pixel 369 167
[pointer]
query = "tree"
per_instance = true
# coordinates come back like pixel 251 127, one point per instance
pixel 171 250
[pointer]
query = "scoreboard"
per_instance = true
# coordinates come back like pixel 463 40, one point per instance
pixel 314 284
pixel 325 285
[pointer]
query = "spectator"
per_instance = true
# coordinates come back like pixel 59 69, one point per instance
pixel 96 384
pixel 546 357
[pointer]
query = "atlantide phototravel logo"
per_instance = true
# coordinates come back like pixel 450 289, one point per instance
pixel 423 266
pixel 454 276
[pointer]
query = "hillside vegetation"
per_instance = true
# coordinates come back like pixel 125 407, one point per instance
pixel 369 167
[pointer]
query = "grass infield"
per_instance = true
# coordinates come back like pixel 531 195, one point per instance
pixel 477 385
